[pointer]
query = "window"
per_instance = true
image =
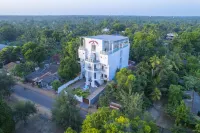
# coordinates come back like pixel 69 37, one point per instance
pixel 95 75
pixel 93 47
pixel 82 42
pixel 105 76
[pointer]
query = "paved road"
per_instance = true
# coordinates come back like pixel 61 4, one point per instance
pixel 38 98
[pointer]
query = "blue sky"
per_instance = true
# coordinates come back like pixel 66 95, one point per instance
pixel 101 7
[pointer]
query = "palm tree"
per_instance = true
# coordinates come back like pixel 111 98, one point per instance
pixel 155 61
pixel 156 94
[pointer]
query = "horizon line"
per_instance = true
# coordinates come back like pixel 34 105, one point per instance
pixel 99 15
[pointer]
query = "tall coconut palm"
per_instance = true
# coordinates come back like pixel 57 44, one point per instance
pixel 156 94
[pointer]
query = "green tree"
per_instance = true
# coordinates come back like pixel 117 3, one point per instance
pixel 33 52
pixel 191 82
pixel 6 83
pixel 23 110
pixel 71 48
pixel 112 121
pixel 27 46
pixel 181 114
pixel 125 79
pixel 175 95
pixel 119 27
pixel 56 84
pixel 132 103
pixel 197 128
pixel 10 54
pixel 70 130
pixel 23 69
pixel 8 32
pixel 156 94
pixel 7 124
pixel 69 68
pixel 65 112
pixel 178 129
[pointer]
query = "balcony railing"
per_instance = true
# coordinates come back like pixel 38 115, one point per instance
pixel 93 69
pixel 114 50
pixel 92 60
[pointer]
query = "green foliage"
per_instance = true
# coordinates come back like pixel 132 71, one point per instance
pixel 110 93
pixel 23 110
pixel 33 52
pixel 69 68
pixel 24 69
pixel 71 48
pixel 182 114
pixel 125 79
pixel 6 83
pixel 175 95
pixel 56 84
pixel 191 82
pixel 7 124
pixel 118 27
pixel 108 121
pixel 178 129
pixel 156 94
pixel 132 103
pixel 8 32
pixel 174 98
pixel 65 112
pixel 197 128
pixel 70 130
pixel 80 92
pixel 10 54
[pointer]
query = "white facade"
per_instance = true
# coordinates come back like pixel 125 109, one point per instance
pixel 100 57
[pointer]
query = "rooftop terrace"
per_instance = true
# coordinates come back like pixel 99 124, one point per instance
pixel 108 37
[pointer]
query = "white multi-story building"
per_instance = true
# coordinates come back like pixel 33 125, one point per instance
pixel 101 56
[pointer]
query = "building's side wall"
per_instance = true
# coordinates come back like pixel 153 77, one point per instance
pixel 114 61
pixel 125 56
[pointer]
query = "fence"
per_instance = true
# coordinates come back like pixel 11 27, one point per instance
pixel 60 89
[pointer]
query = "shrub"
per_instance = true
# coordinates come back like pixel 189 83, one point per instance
pixel 186 96
pixel 80 92
pixel 56 84
pixel 22 110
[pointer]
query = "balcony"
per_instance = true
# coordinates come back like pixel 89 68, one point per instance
pixel 92 60
pixel 90 68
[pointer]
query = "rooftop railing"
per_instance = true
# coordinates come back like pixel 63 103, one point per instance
pixel 114 50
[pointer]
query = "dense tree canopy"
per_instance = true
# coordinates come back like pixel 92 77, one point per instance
pixel 6 83
pixel 6 119
pixel 65 112
pixel 164 68
pixel 33 52
pixel 106 120
pixel 23 110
